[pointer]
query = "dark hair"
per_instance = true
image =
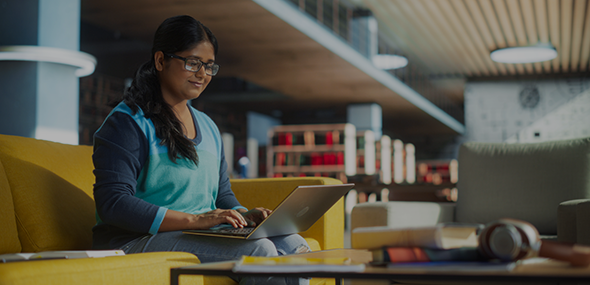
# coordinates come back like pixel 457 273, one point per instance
pixel 175 34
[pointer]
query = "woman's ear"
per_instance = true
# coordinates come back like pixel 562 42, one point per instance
pixel 159 60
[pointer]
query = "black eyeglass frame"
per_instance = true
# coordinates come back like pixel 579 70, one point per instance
pixel 213 67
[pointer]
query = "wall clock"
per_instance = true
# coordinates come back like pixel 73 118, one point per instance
pixel 529 97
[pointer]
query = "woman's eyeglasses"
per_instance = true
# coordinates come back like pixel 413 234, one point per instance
pixel 194 65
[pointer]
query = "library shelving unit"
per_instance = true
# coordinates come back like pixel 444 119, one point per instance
pixel 437 172
pixel 399 175
pixel 312 150
pixel 98 94
pixel 435 180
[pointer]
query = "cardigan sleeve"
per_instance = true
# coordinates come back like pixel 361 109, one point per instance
pixel 120 150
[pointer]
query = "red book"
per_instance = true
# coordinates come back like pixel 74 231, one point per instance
pixel 329 140
pixel 340 158
pixel 288 139
pixel 316 159
pixel 329 158
pixel 281 158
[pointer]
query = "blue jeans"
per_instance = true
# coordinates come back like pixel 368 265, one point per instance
pixel 212 249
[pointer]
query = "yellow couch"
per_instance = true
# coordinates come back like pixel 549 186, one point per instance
pixel 46 203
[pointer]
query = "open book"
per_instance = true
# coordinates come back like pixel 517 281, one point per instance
pixel 59 255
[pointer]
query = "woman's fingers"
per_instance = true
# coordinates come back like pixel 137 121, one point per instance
pixel 235 219
pixel 220 216
pixel 257 215
pixel 264 212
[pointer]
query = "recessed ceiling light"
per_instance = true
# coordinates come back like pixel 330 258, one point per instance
pixel 85 62
pixel 389 61
pixel 528 54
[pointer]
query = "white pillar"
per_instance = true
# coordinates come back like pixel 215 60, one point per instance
pixel 40 99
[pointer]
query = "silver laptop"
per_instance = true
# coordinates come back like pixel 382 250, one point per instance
pixel 296 213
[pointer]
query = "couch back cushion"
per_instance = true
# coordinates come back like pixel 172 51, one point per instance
pixel 9 242
pixel 51 186
pixel 521 181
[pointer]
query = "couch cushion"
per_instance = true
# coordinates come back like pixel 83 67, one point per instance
pixel 521 181
pixel 9 242
pixel 51 186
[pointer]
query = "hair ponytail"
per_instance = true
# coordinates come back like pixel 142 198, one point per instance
pixel 145 93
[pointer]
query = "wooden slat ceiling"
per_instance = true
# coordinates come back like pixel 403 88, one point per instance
pixel 457 36
pixel 259 47
pixel 443 38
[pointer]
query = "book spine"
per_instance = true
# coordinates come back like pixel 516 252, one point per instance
pixel 419 254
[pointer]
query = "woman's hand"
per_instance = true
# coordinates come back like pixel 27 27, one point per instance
pixel 175 221
pixel 220 216
pixel 256 215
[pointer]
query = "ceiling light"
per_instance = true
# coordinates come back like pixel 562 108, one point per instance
pixel 389 61
pixel 85 62
pixel 528 54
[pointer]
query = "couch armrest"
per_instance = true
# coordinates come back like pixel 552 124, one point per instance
pixel 573 218
pixel 401 214
pixel 328 231
pixel 140 268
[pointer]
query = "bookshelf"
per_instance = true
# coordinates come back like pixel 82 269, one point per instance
pixel 312 150
pixel 98 95
pixel 437 172
pixel 342 152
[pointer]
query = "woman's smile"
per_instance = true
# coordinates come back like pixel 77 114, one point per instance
pixel 196 84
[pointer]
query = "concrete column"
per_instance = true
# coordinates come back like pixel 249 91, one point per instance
pixel 40 99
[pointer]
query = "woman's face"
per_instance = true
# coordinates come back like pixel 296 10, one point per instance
pixel 179 84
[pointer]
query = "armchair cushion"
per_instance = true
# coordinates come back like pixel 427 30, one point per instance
pixel 52 200
pixel 9 241
pixel 521 181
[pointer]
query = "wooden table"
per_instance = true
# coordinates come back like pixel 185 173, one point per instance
pixel 544 272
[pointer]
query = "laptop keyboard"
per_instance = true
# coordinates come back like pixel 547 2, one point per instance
pixel 236 231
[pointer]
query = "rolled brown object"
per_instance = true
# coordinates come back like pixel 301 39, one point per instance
pixel 575 254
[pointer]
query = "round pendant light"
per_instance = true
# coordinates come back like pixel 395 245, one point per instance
pixel 527 54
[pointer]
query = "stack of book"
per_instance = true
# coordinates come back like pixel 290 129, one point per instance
pixel 444 247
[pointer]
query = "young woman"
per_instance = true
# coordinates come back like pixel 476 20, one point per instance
pixel 160 165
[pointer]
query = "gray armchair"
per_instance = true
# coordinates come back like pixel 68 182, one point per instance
pixel 546 184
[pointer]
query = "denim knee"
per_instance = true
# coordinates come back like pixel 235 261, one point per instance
pixel 264 247
pixel 290 244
